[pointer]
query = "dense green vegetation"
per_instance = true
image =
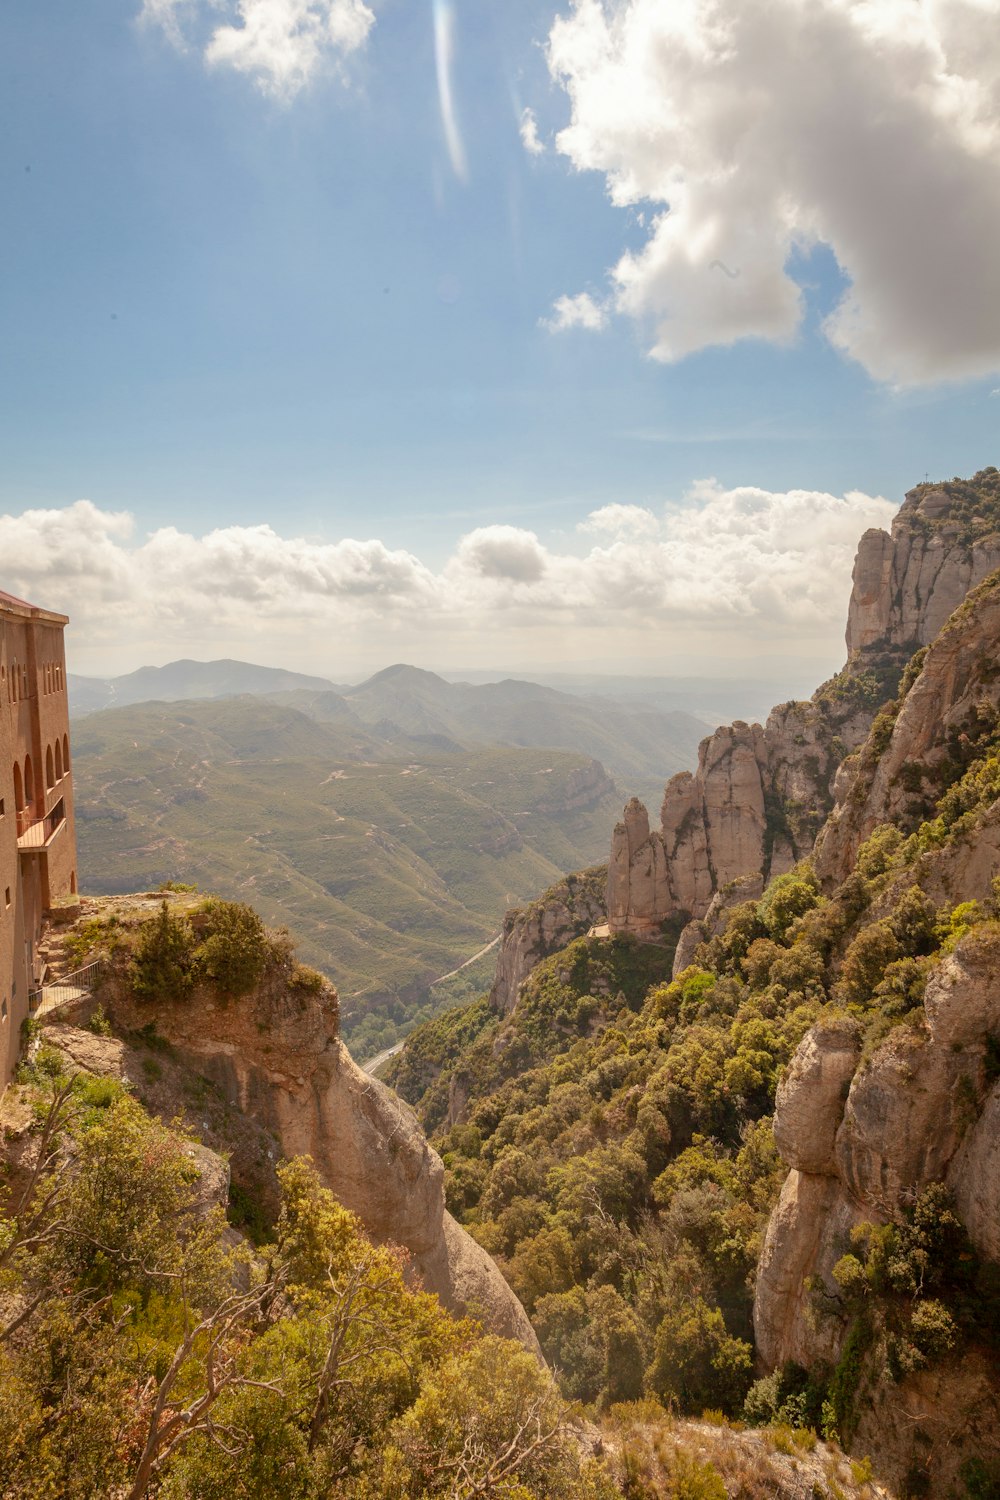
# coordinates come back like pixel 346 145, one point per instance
pixel 141 1354
pixel 392 863
pixel 610 1142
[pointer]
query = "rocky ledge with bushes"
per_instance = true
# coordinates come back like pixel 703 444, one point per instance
pixel 205 982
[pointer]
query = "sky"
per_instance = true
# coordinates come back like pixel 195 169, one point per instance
pixel 486 334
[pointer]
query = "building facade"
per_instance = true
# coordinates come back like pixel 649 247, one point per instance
pixel 37 833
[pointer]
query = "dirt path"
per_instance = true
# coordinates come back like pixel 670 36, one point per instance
pixel 381 1057
pixel 452 972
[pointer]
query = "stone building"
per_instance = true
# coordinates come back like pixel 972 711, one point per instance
pixel 37 836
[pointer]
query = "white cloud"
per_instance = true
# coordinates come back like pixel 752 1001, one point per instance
pixel 733 567
pixel 171 15
pixel 621 520
pixel 282 44
pixel 530 139
pixel 505 553
pixel 869 126
pixel 580 311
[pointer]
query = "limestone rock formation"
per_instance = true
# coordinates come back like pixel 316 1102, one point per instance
pixel 760 795
pixel 950 706
pixel 567 911
pixel 639 893
pixel 944 542
pixel 974 1178
pixel 275 1055
pixel 811 1097
pixel 863 1141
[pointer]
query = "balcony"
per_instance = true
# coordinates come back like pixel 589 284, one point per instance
pixel 35 835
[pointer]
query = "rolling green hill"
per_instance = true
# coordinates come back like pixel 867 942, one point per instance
pixel 393 861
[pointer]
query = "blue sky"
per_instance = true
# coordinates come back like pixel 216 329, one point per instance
pixel 229 307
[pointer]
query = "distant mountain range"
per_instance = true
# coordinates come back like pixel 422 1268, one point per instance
pixel 639 743
pixel 183 679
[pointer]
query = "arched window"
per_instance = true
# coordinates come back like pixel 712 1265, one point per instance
pixel 14 680
pixel 50 775
pixel 18 789
pixel 58 679
pixel 59 760
pixel 25 688
pixel 65 753
pixel 29 781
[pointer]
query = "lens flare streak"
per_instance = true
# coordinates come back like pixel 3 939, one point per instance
pixel 444 54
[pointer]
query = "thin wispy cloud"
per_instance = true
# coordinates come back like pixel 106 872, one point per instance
pixel 751 131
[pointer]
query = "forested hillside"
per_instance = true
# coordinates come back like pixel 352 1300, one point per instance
pixel 614 1140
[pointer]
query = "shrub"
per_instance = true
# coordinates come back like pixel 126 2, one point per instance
pixel 305 978
pixel 787 897
pixel 162 966
pixel 99 1023
pixel 236 950
pixel 692 1479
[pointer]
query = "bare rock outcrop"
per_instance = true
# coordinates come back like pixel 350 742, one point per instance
pixel 760 795
pixel 974 1178
pixel 530 933
pixel 811 1098
pixel 953 702
pixel 944 542
pixel 863 1140
pixel 805 1237
pixel 750 811
pixel 639 892
pixel 275 1055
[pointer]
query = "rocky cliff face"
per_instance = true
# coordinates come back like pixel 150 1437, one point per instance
pixel 944 542
pixel 276 1059
pixel 863 1138
pixel 861 1141
pixel 530 933
pixel 945 719
pixel 760 795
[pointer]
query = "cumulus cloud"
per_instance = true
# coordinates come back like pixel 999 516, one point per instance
pixel 530 139
pixel 621 520
pixel 580 311
pixel 501 552
pixel 738 564
pixel 868 126
pixel 281 44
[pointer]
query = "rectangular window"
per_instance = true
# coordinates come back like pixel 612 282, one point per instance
pixel 2 809
pixel 3 1011
pixel 6 896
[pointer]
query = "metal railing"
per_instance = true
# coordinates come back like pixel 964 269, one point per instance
pixel 37 834
pixel 67 988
